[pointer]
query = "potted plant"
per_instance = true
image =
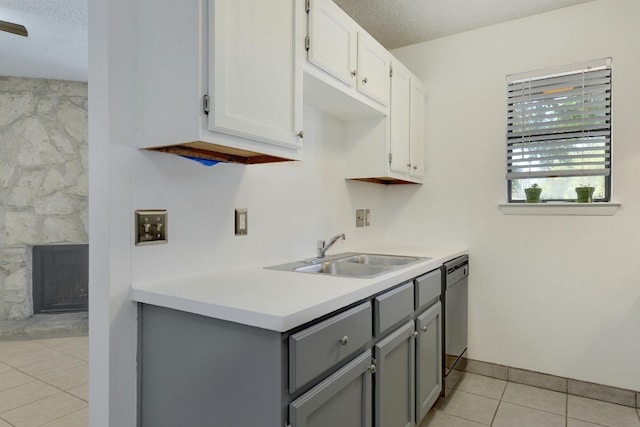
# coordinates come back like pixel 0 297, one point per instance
pixel 585 194
pixel 533 193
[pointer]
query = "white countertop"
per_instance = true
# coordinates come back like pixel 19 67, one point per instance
pixel 280 300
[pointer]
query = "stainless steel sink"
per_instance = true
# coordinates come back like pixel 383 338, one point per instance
pixel 357 265
pixel 337 268
pixel 370 259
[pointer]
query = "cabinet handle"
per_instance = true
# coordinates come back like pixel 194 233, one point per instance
pixel 415 167
pixel 372 369
pixel 415 334
pixel 353 73
pixel 365 80
pixel 301 134
pixel 344 340
pixel 408 165
pixel 424 329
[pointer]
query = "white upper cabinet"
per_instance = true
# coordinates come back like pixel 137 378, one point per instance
pixel 390 150
pixel 399 133
pixel 344 58
pixel 333 41
pixel 254 75
pixel 221 79
pixel 373 69
pixel 416 123
pixel 407 115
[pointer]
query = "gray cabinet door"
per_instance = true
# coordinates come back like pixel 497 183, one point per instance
pixel 343 399
pixel 428 359
pixel 395 379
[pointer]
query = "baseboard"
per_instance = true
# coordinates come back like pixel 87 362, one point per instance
pixel 553 382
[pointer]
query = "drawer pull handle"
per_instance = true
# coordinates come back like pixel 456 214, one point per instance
pixel 372 369
pixel 424 329
pixel 415 334
pixel 344 340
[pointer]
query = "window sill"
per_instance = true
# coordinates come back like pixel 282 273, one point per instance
pixel 558 208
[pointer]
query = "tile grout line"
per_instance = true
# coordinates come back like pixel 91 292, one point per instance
pixel 44 382
pixel 495 414
pixel 566 408
pixel 66 415
pixel 11 424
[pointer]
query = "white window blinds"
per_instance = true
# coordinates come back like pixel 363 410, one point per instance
pixel 559 122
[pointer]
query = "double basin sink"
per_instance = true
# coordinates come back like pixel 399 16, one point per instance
pixel 351 264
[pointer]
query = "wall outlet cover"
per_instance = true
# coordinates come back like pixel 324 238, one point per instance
pixel 360 218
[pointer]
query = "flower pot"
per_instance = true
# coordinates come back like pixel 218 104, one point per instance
pixel 585 194
pixel 533 194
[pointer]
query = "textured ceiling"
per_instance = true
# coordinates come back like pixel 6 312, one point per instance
pixel 398 23
pixel 57 43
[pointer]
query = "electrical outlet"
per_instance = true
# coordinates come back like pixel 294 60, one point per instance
pixel 151 227
pixel 241 222
pixel 367 217
pixel 360 218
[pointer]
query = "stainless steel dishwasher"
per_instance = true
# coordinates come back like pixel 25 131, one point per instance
pixel 455 288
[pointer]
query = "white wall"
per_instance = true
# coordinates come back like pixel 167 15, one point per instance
pixel 291 206
pixel 556 294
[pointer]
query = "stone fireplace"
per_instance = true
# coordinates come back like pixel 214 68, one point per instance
pixel 43 179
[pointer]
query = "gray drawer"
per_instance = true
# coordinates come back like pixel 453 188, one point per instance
pixel 428 288
pixel 392 307
pixel 316 349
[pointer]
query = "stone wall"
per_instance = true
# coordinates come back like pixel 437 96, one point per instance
pixel 43 178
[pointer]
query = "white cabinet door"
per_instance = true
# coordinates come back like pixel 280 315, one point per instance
pixel 416 135
pixel 400 119
pixel 254 77
pixel 373 69
pixel 332 41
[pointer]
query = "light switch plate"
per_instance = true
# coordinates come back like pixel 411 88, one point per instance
pixel 242 222
pixel 151 227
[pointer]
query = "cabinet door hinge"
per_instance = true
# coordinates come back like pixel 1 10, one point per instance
pixel 205 104
pixel 306 42
pixel 307 5
pixel 390 157
pixel 390 71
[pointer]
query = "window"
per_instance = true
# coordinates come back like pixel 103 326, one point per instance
pixel 559 131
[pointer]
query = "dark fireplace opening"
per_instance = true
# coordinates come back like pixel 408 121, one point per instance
pixel 60 278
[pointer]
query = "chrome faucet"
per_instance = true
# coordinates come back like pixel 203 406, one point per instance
pixel 323 247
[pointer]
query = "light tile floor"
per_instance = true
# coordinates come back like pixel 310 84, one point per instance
pixel 44 382
pixel 482 401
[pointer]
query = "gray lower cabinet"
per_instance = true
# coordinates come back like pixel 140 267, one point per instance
pixel 428 359
pixel 378 363
pixel 343 399
pixel 395 379
pixel 195 371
